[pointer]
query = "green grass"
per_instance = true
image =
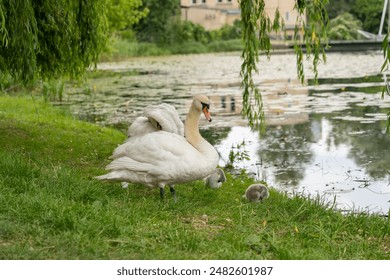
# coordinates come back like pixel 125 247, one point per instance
pixel 52 208
pixel 120 48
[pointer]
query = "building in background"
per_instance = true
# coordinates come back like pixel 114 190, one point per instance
pixel 213 14
pixel 287 12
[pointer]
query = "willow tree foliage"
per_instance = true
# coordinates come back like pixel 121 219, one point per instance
pixel 312 25
pixel 385 70
pixel 49 38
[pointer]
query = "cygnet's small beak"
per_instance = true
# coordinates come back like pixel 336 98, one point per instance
pixel 206 113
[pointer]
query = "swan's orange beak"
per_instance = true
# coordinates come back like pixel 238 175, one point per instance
pixel 206 113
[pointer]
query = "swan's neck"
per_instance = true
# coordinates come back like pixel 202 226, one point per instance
pixel 191 132
pixel 191 127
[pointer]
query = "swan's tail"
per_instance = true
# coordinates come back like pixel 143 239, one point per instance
pixel 114 176
pixel 126 164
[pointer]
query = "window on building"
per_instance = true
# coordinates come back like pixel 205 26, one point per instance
pixel 203 1
pixel 219 1
pixel 287 16
pixel 193 1
pixel 223 102
pixel 233 104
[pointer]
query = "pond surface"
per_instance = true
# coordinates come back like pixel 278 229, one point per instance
pixel 326 140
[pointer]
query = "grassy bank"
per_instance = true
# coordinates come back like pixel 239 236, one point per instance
pixel 51 208
pixel 120 48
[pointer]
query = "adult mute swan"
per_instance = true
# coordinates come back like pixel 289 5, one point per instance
pixel 162 158
pixel 165 117
pixel 154 118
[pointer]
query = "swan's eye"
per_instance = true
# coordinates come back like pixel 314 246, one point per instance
pixel 205 105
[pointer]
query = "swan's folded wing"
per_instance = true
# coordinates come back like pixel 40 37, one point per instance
pixel 154 147
pixel 165 155
pixel 139 127
pixel 166 117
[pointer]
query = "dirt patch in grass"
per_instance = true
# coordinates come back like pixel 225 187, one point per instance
pixel 204 223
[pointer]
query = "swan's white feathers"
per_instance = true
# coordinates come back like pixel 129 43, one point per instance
pixel 114 176
pixel 160 157
pixel 140 126
pixel 157 117
pixel 165 117
pixel 157 154
pixel 136 166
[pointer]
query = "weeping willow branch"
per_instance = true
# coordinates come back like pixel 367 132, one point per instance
pixel 312 24
pixel 50 39
pixel 385 68
pixel 256 28
pixel 250 57
pixel 3 30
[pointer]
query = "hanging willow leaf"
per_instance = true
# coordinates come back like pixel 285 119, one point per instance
pixel 314 31
pixel 384 68
pixel 388 123
pixel 3 30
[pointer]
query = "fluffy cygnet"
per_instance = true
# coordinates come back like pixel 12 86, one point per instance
pixel 256 193
pixel 215 179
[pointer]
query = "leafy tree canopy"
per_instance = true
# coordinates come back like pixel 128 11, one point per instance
pixel 122 14
pixel 338 7
pixel 162 19
pixel 369 12
pixel 344 27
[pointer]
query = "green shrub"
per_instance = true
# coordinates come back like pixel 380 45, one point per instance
pixel 188 47
pixel 345 27
pixel 225 46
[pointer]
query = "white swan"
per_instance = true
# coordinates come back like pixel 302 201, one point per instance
pixel 256 193
pixel 215 179
pixel 154 118
pixel 164 158
pixel 165 117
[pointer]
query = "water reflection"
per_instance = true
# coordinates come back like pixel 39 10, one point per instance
pixel 312 158
pixel 327 139
pixel 290 154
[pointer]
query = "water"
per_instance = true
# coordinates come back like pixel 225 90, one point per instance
pixel 326 140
